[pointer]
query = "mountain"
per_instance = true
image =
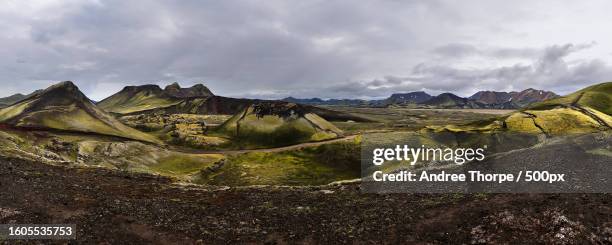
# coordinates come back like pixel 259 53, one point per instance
pixel 480 100
pixel 400 99
pixel 147 97
pixel 449 100
pixel 276 123
pixel 137 98
pixel 587 110
pixel 491 97
pixel 206 105
pixel 408 98
pixel 512 99
pixel 530 95
pixel 597 97
pixel 6 101
pixel 198 90
pixel 64 107
pixel 313 101
pixel 151 99
pixel 173 99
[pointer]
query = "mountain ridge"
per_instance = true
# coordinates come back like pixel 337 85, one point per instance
pixel 150 96
pixel 64 107
pixel 584 111
pixel 520 98
pixel 485 99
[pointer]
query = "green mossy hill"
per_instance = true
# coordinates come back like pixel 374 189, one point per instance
pixel 134 99
pixel 587 110
pixel 214 105
pixel 308 166
pixel 64 107
pixel 277 124
pixel 598 97
pixel 198 99
pixel 196 91
pixel 137 98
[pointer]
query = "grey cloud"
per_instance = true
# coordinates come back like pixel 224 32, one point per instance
pixel 269 49
pixel 460 50
pixel 548 70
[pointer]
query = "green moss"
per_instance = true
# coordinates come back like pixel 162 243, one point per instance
pixel 519 122
pixel 598 97
pixel 310 166
pixel 10 112
pixel 249 131
pixel 565 121
pixel 559 116
pixel 140 102
pixel 181 164
pixel 75 119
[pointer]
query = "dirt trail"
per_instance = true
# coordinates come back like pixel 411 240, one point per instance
pixel 276 149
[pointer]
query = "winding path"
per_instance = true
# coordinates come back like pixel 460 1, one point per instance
pixel 276 149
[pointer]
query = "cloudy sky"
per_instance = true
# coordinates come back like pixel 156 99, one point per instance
pixel 329 49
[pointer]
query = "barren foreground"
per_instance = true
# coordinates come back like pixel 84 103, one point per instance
pixel 116 207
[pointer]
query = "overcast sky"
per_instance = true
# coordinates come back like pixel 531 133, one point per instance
pixel 329 49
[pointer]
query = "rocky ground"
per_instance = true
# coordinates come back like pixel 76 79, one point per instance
pixel 122 208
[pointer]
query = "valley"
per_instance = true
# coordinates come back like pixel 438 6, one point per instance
pixel 176 164
pixel 253 142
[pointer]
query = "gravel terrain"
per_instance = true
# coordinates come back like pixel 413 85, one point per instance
pixel 111 207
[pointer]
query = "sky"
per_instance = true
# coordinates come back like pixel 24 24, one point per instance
pixel 328 49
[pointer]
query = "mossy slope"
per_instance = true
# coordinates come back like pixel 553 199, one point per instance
pixel 587 110
pixel 285 124
pixel 64 107
pixel 137 98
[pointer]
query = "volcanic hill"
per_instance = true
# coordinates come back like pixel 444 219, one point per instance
pixel 587 110
pixel 64 107
pixel 279 123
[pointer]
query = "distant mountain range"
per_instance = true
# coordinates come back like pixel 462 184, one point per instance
pixel 584 111
pixel 199 99
pixel 420 99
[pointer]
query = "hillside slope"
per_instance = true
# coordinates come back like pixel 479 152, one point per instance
pixel 449 100
pixel 151 99
pixel 137 98
pixel 64 107
pixel 587 110
pixel 516 99
pixel 407 98
pixel 278 123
